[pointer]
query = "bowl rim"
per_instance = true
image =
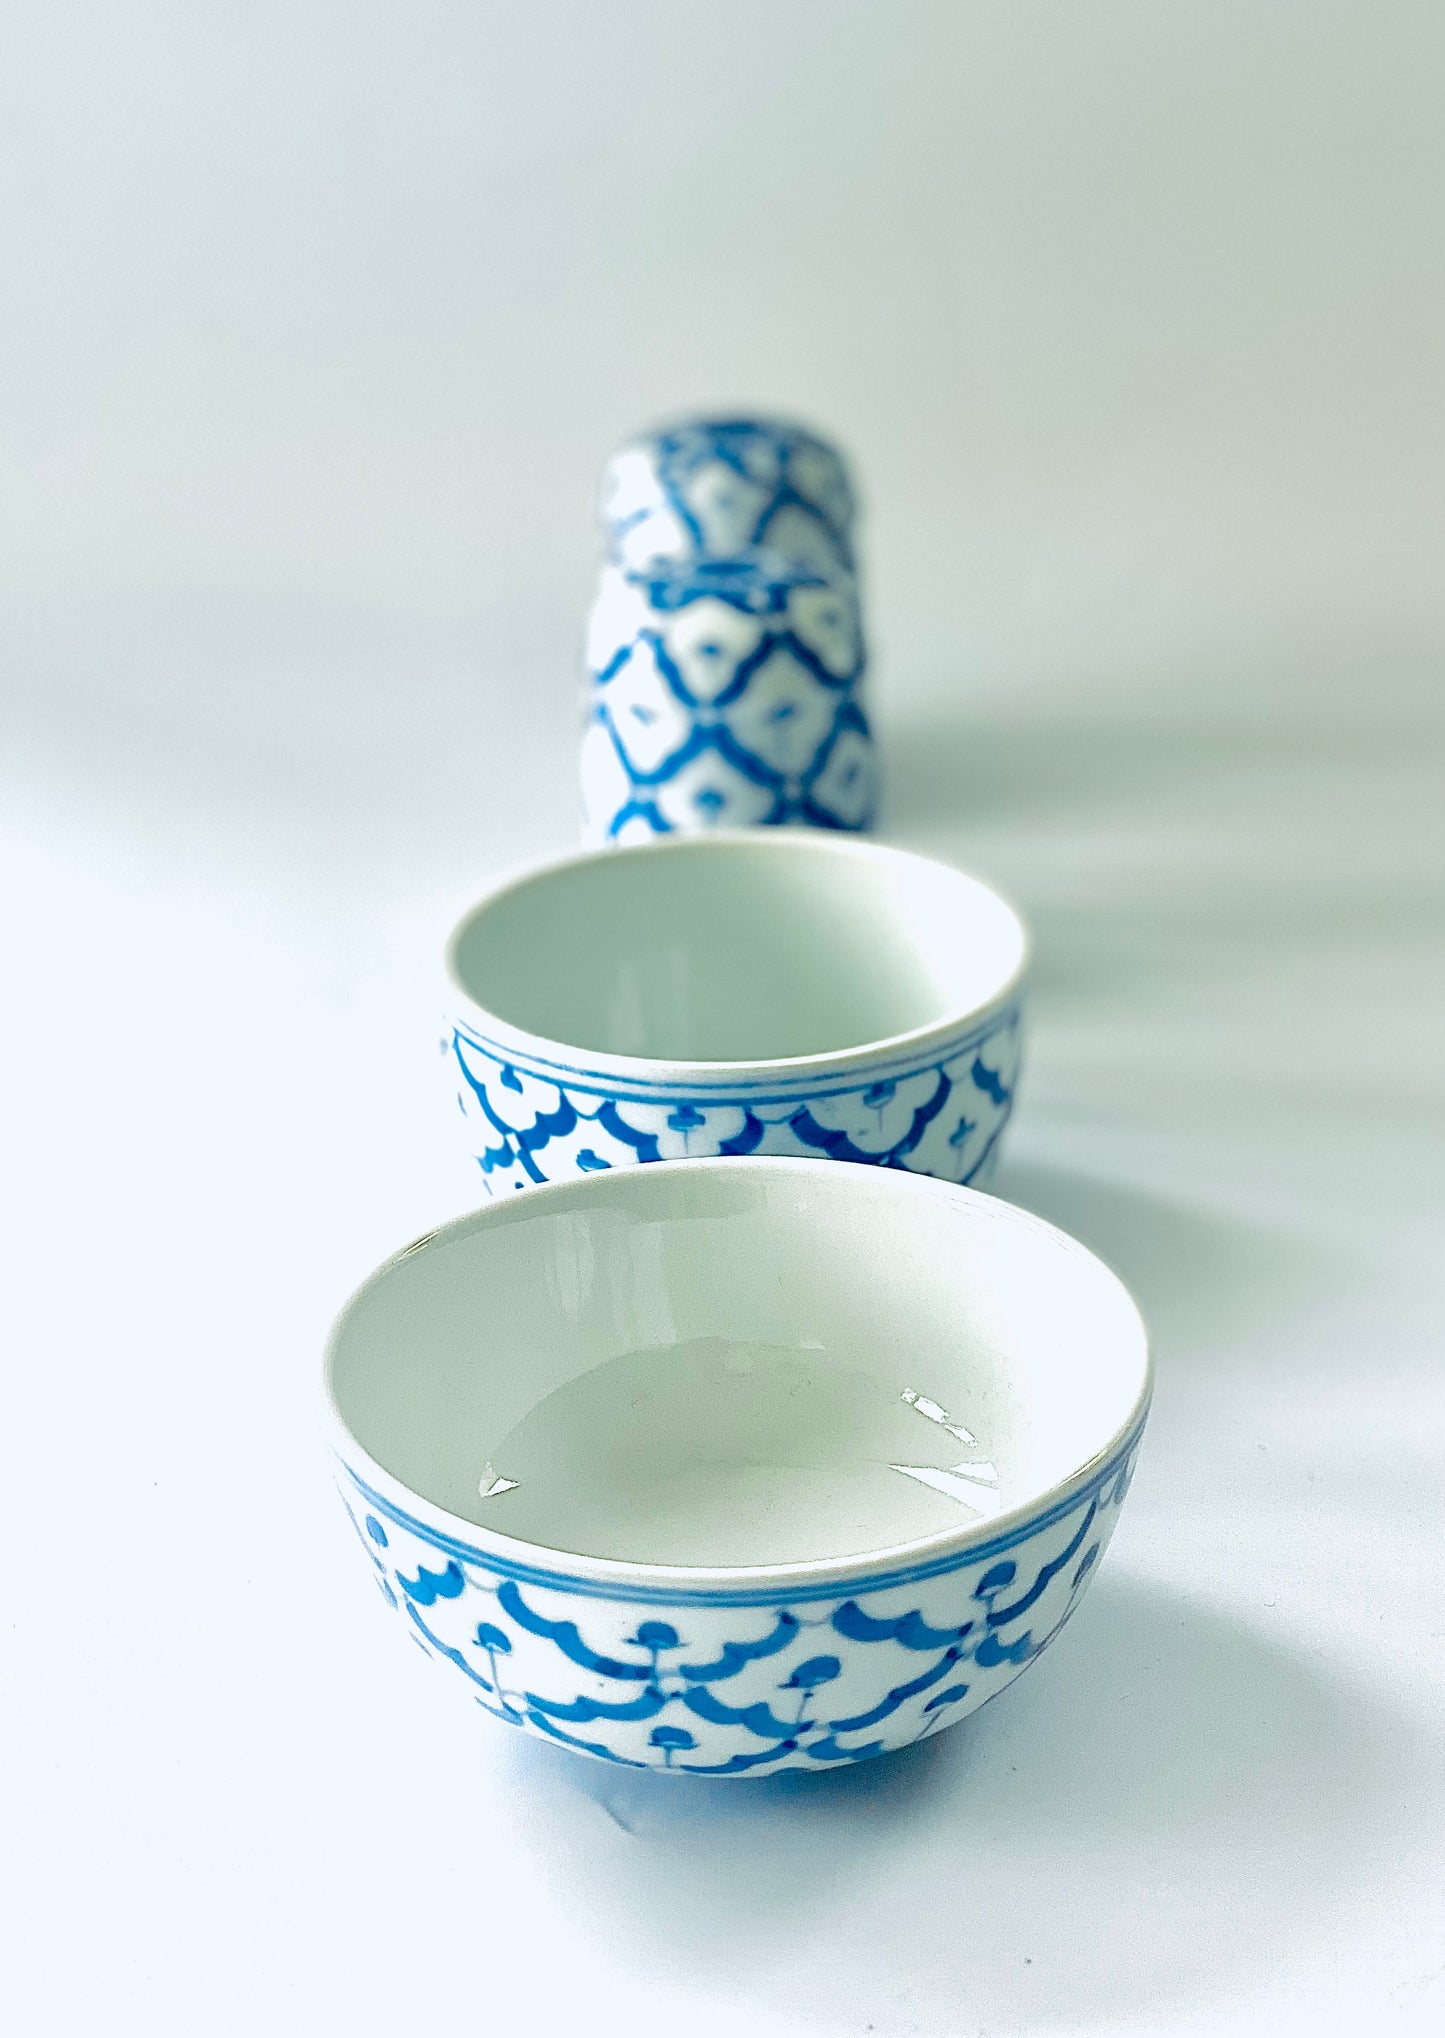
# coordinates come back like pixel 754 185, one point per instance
pixel 623 1578
pixel 567 1058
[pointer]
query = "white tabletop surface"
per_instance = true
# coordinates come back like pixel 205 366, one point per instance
pixel 319 322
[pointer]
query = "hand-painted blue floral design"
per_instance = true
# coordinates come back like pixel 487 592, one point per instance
pixel 529 1122
pixel 720 1681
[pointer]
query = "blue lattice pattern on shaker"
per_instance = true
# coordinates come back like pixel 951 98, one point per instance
pixel 725 656
pixel 720 487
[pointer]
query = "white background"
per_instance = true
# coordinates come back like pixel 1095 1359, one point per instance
pixel 319 321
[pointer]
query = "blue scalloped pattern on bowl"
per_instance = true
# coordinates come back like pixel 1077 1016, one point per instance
pixel 732 1682
pixel 530 1121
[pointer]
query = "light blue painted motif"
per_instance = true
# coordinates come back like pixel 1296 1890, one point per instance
pixel 534 1121
pixel 746 1681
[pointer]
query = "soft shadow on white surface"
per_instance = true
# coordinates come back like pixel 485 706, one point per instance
pixel 1197 841
pixel 960 759
pixel 1199 1274
pixel 972 766
pixel 1167 1807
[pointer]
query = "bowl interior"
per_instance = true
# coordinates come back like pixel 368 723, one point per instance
pixel 738 1363
pixel 735 949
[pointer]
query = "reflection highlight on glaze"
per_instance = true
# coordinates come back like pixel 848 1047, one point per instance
pixel 726 1451
pixel 973 1482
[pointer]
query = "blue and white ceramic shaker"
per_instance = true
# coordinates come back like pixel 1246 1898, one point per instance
pixel 725 656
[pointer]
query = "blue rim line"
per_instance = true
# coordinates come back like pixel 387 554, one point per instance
pixel 775 1595
pixel 727 1088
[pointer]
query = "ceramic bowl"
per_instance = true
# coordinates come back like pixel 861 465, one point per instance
pixel 727 1468
pixel 759 992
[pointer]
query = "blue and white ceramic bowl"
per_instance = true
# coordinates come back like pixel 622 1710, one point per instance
pixel 761 992
pixel 732 1468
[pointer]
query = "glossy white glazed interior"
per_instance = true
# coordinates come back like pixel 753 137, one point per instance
pixel 737 948
pixel 738 1363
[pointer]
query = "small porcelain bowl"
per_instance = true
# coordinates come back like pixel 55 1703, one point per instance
pixel 760 992
pixel 727 1468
